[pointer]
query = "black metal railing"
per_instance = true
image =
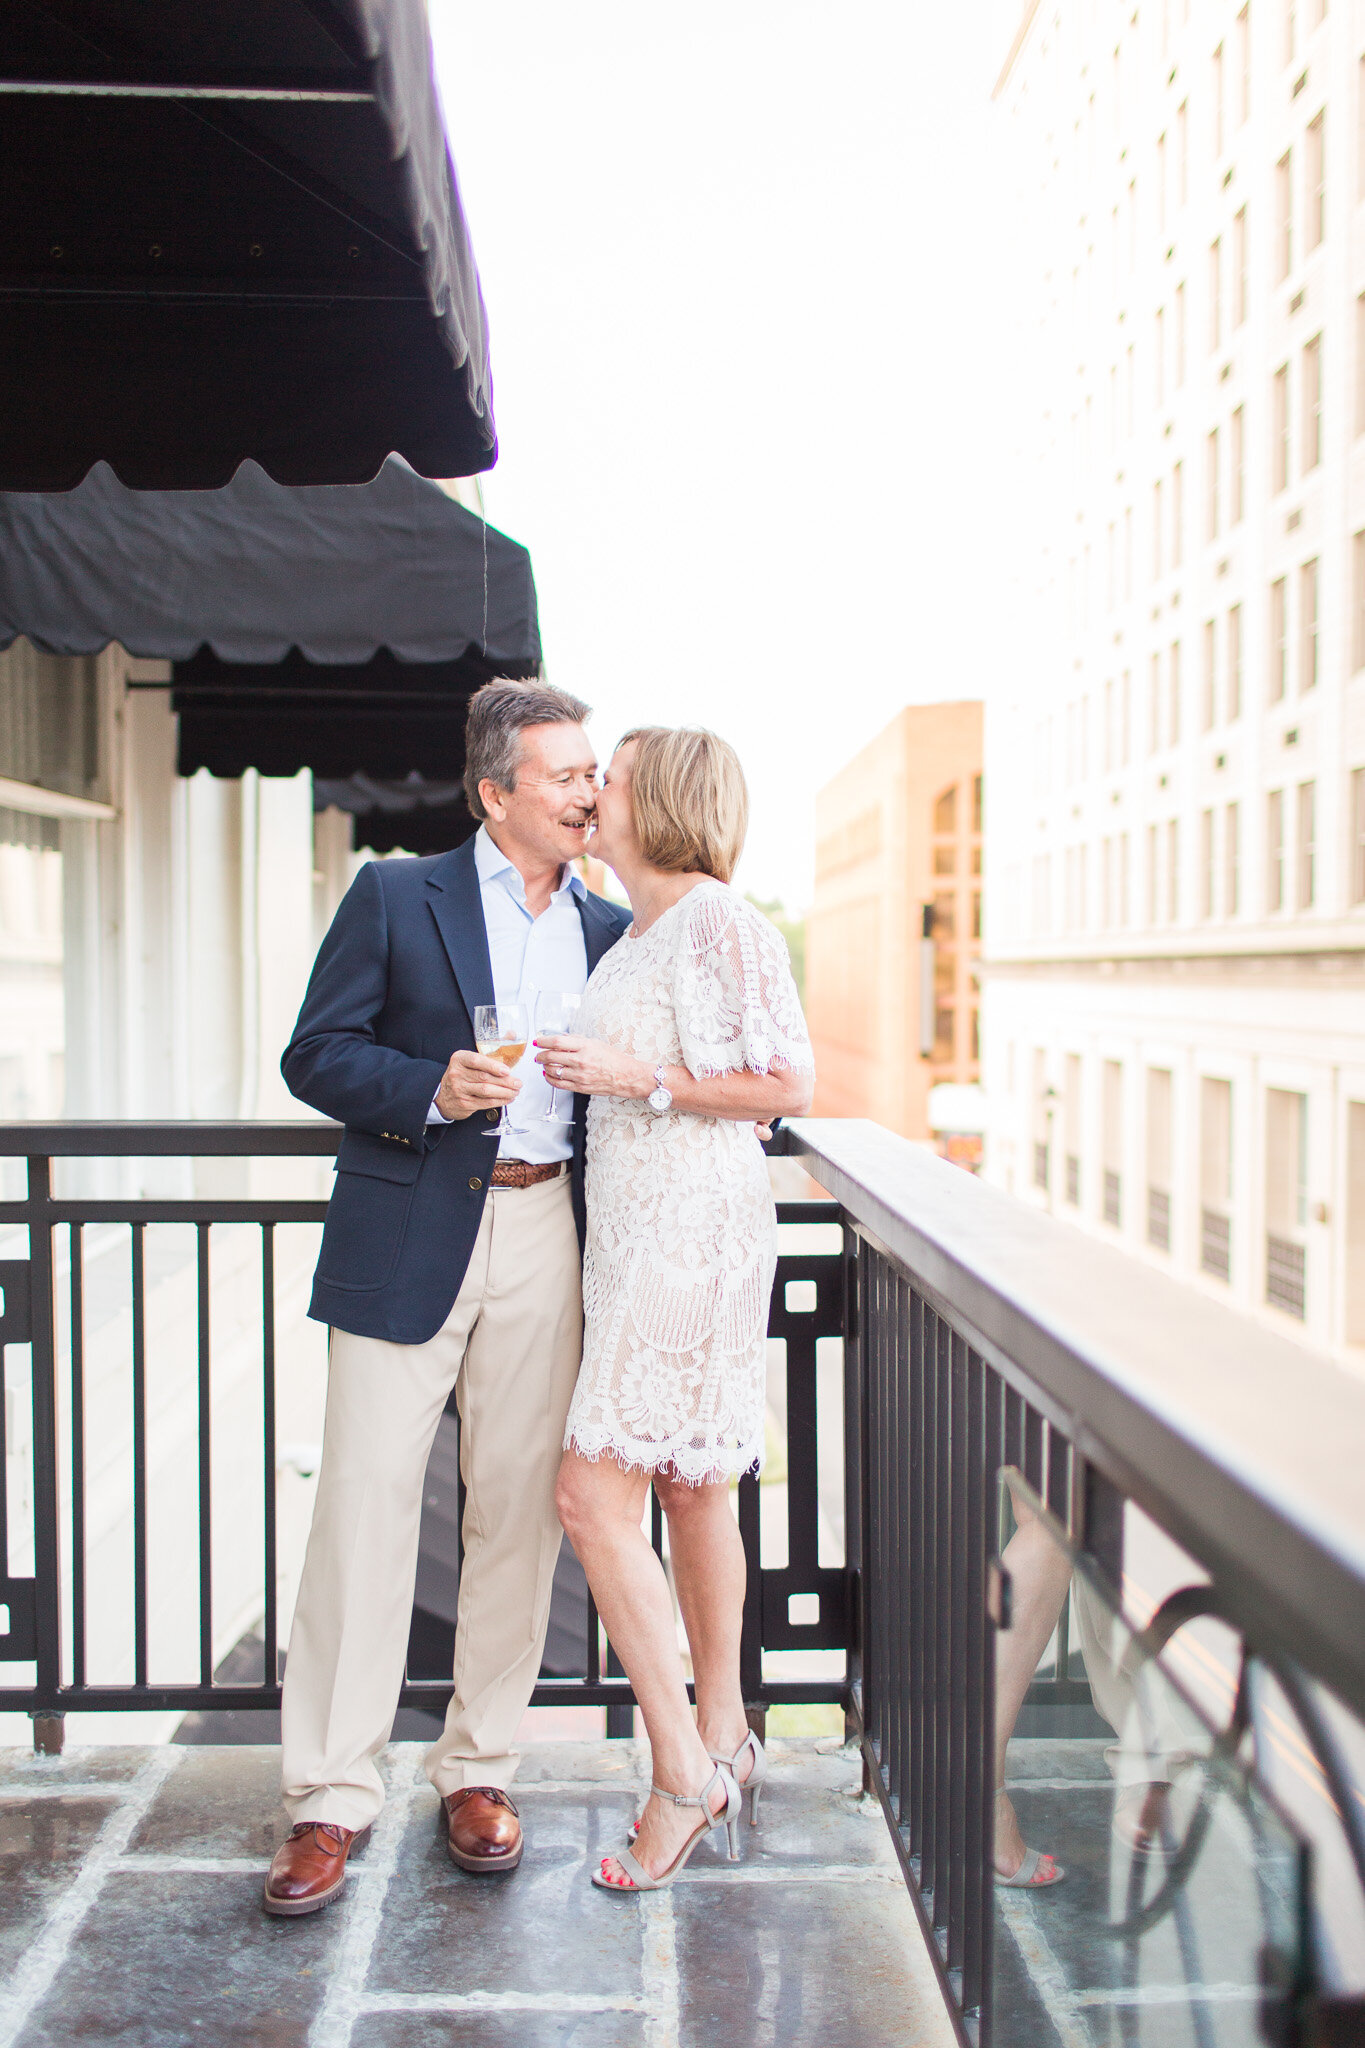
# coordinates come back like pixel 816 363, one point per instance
pixel 982 1335
pixel 978 1334
pixel 46 1306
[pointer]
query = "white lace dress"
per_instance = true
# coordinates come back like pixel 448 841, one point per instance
pixel 682 1232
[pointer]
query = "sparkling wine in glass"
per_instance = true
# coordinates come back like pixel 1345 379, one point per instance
pixel 500 1034
pixel 555 1013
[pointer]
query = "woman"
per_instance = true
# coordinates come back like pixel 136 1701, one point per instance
pixel 690 1032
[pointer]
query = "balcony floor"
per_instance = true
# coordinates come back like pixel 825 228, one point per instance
pixel 129 1912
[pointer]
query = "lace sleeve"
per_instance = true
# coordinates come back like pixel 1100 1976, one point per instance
pixel 733 993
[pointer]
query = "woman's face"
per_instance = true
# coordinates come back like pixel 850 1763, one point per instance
pixel 614 838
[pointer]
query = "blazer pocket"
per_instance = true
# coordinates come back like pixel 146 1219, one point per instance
pixel 367 1216
pixel 379 1158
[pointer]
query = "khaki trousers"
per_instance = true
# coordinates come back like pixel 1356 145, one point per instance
pixel 511 1348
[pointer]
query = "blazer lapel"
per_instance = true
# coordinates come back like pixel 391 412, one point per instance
pixel 599 931
pixel 457 906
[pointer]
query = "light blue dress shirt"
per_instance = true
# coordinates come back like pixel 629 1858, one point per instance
pixel 530 956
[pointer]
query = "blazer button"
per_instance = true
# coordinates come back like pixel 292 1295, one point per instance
pixel 490 1116
pixel 475 1182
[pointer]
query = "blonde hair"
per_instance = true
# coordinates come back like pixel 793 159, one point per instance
pixel 689 800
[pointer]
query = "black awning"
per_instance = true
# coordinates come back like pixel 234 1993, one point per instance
pixel 338 627
pixel 252 570
pixel 411 815
pixel 233 231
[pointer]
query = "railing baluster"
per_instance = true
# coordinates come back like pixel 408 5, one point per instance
pixel 946 1626
pixel 46 1539
pixel 76 1255
pixel 139 1276
pixel 918 1551
pixel 933 1641
pixel 893 1757
pixel 269 1477
pixel 205 1461
pixel 960 1758
pixel 978 1961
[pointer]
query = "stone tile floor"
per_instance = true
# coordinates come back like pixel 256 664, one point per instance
pixel 129 1913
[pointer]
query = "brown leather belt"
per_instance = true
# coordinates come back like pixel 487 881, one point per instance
pixel 519 1173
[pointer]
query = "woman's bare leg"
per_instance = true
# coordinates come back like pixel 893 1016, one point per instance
pixel 1039 1576
pixel 600 1506
pixel 707 1555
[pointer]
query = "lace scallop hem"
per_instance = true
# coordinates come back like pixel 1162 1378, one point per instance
pixel 692 1466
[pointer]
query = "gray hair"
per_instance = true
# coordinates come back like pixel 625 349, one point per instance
pixel 498 714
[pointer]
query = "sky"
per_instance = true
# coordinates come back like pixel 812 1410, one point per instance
pixel 747 357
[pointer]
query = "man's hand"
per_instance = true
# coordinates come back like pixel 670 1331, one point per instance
pixel 471 1083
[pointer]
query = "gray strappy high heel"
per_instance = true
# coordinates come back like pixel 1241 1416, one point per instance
pixel 638 1878
pixel 753 1784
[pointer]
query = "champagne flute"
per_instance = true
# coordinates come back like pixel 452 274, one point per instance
pixel 500 1034
pixel 555 1013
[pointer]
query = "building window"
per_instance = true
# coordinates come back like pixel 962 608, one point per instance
pixel 1237 465
pixel 1279 641
pixel 1232 860
pixel 1158 537
pixel 1315 195
pixel 945 812
pixel 1173 731
pixel 1288 24
pixel 1274 850
pixel 1182 152
pixel 1358 835
pixel 1215 295
pixel 1123 879
pixel 1284 217
pixel 1179 335
pixel 1153 877
pixel 976 804
pixel 1211 476
pixel 1159 355
pixel 1071 1127
pixel 1305 851
pixel 1125 718
pixel 1215 1178
pixel 1218 108
pixel 943 1034
pixel 1358 602
pixel 1360 324
pixel 1172 870
pixel 1162 196
pixel 1311 451
pixel 1239 267
pixel 1112 1142
pixel 1206 864
pixel 1279 429
pixel 1159 1158
pixel 1234 690
pixel 1177 514
pixel 1210 675
pixel 1308 626
pixel 1286 1198
pixel 1242 58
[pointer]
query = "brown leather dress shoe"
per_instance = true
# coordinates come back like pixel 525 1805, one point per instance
pixel 307 1871
pixel 482 1829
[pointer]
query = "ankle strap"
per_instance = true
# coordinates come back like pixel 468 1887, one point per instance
pixel 720 1776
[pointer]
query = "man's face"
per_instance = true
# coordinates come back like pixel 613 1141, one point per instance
pixel 548 816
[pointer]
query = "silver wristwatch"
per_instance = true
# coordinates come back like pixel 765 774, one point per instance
pixel 662 1098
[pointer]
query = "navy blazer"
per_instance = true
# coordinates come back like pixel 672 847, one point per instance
pixel 391 996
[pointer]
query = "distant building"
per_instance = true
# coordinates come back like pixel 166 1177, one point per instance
pixel 1175 987
pixel 898 836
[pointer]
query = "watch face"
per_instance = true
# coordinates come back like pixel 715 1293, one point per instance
pixel 661 1099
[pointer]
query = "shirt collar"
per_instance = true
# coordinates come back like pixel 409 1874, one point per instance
pixel 492 865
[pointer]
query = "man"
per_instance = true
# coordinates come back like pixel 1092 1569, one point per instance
pixel 449 1259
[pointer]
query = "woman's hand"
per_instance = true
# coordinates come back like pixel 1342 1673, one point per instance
pixel 589 1066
